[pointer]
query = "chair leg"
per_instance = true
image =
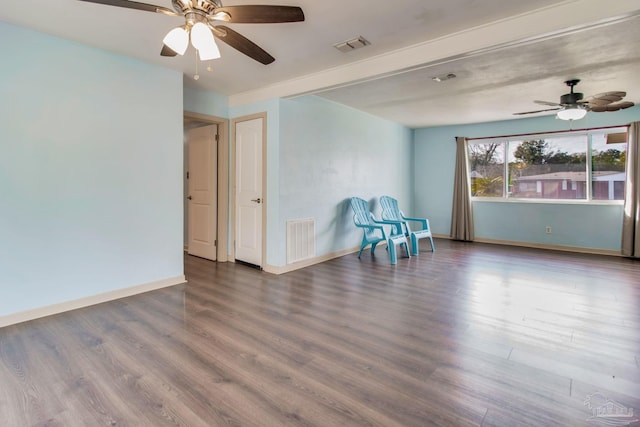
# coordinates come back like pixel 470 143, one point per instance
pixel 414 244
pixel 433 248
pixel 392 252
pixel 373 248
pixel 362 245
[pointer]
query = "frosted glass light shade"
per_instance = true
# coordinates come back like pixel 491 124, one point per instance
pixel 177 40
pixel 202 39
pixel 571 113
pixel 209 52
pixel 201 36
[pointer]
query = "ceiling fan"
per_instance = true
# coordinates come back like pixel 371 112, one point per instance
pixel 573 105
pixel 200 17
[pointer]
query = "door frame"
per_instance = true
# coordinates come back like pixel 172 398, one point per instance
pixel 223 180
pixel 265 200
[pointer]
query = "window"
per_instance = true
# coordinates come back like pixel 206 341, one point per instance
pixel 486 166
pixel 607 165
pixel 569 166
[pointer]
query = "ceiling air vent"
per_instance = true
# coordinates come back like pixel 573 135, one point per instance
pixel 350 45
pixel 443 77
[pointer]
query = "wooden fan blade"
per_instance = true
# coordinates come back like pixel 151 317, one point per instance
pixel 261 14
pixel 242 44
pixel 135 5
pixel 606 98
pixel 537 111
pixel 167 51
pixel 611 107
pixel 551 104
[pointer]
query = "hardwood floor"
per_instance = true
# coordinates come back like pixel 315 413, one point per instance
pixel 471 335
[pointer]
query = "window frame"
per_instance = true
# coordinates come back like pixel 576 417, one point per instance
pixel 505 140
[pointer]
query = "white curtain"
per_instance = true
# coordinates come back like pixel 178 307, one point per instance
pixel 631 220
pixel 462 213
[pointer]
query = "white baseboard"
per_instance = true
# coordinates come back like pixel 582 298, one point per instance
pixel 563 248
pixel 49 310
pixel 317 260
pixel 273 269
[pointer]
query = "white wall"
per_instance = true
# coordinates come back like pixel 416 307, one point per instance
pixel 90 172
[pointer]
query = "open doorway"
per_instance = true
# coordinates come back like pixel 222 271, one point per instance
pixel 215 217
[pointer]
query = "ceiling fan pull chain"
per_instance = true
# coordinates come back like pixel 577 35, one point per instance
pixel 196 76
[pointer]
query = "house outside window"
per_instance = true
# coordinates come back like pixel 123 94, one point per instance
pixel 572 166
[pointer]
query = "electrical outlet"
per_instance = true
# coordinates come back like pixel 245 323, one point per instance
pixel 547 229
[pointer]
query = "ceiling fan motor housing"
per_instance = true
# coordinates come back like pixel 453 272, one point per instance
pixel 571 98
pixel 206 6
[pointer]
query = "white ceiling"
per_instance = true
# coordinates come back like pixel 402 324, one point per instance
pixel 505 53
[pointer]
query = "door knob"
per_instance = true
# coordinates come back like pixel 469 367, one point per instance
pixel 258 200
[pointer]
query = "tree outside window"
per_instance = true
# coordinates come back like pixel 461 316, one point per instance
pixel 608 166
pixel 486 166
pixel 566 167
pixel 551 168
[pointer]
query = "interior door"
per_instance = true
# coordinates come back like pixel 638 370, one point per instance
pixel 202 197
pixel 249 197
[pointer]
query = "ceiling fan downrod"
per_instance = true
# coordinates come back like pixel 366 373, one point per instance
pixel 571 98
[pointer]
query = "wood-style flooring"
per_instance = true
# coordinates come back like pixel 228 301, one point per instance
pixel 471 335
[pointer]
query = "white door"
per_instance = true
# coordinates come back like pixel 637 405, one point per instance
pixel 249 197
pixel 202 197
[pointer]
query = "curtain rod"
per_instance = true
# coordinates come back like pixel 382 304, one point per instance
pixel 545 133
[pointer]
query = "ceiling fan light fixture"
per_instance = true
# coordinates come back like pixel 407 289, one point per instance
pixel 571 113
pixel 209 52
pixel 177 40
pixel 201 36
pixel 202 39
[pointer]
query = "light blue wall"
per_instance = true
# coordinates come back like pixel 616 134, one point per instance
pixel 327 154
pixel 318 155
pixel 595 226
pixel 205 102
pixel 90 171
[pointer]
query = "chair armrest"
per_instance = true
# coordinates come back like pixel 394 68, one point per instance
pixel 423 221
pixel 396 226
pixel 388 222
pixel 377 227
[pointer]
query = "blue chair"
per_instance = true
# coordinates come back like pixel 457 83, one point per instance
pixel 391 212
pixel 373 230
